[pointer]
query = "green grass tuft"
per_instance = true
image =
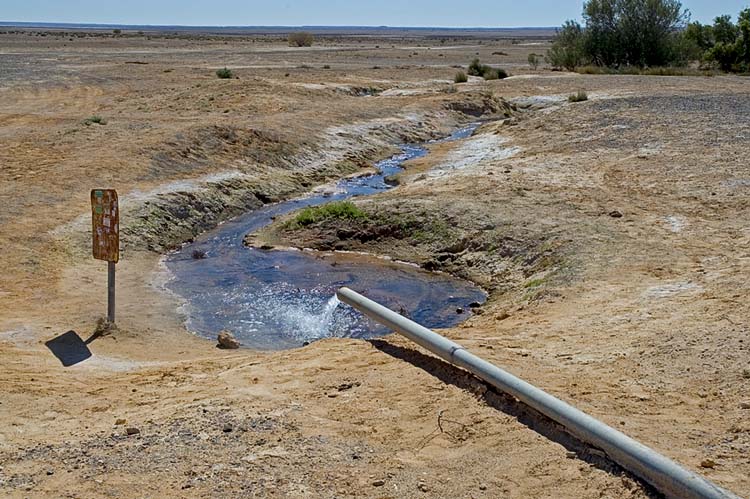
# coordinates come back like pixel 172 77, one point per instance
pixel 534 283
pixel 340 210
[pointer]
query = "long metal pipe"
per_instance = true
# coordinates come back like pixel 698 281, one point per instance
pixel 662 473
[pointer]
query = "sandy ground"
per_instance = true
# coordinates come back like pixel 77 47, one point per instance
pixel 638 319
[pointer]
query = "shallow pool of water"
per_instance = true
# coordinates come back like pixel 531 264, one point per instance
pixel 278 299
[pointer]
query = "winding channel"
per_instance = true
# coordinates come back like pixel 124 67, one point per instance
pixel 278 299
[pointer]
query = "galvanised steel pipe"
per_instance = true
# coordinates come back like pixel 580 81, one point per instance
pixel 662 473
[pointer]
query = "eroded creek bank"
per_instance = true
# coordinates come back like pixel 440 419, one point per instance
pixel 239 289
pixel 273 298
pixel 440 220
pixel 286 298
pixel 258 167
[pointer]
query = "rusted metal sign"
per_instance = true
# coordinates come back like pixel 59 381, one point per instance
pixel 105 217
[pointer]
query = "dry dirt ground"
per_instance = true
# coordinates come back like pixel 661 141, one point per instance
pixel 613 235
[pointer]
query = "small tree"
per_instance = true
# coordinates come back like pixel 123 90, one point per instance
pixel 533 61
pixel 724 30
pixel 567 47
pixel 301 39
pixel 633 32
pixel 699 36
pixel 729 45
pixel 744 41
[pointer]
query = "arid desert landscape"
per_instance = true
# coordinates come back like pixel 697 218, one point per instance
pixel 611 237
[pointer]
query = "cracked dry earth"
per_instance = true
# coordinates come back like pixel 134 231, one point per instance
pixel 614 239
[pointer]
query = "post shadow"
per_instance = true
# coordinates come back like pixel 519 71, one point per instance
pixel 527 416
pixel 69 348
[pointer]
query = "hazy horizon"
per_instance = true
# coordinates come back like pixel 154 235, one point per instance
pixel 272 26
pixel 325 13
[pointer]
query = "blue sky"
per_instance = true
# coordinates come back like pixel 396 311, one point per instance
pixel 491 13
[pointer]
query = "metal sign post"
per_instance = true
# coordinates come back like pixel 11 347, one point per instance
pixel 105 218
pixel 111 292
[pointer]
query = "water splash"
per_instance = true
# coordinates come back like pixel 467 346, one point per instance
pixel 333 303
pixel 308 323
pixel 279 315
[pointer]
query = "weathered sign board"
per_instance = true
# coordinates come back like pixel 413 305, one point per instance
pixel 105 224
pixel 105 217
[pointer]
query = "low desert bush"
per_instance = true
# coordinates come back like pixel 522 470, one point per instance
pixel 476 68
pixel 224 73
pixel 496 74
pixel 94 120
pixel 491 74
pixel 301 39
pixel 534 61
pixel 460 77
pixel 580 96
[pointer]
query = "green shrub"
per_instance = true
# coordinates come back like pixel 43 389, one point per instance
pixel 495 74
pixel 723 45
pixel 224 73
pixel 460 77
pixel 341 210
pixel 533 61
pixel 476 68
pixel 580 96
pixel 301 39
pixel 491 74
pixel 95 120
pixel 501 73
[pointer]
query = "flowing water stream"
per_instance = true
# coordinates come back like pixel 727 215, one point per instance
pixel 280 299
